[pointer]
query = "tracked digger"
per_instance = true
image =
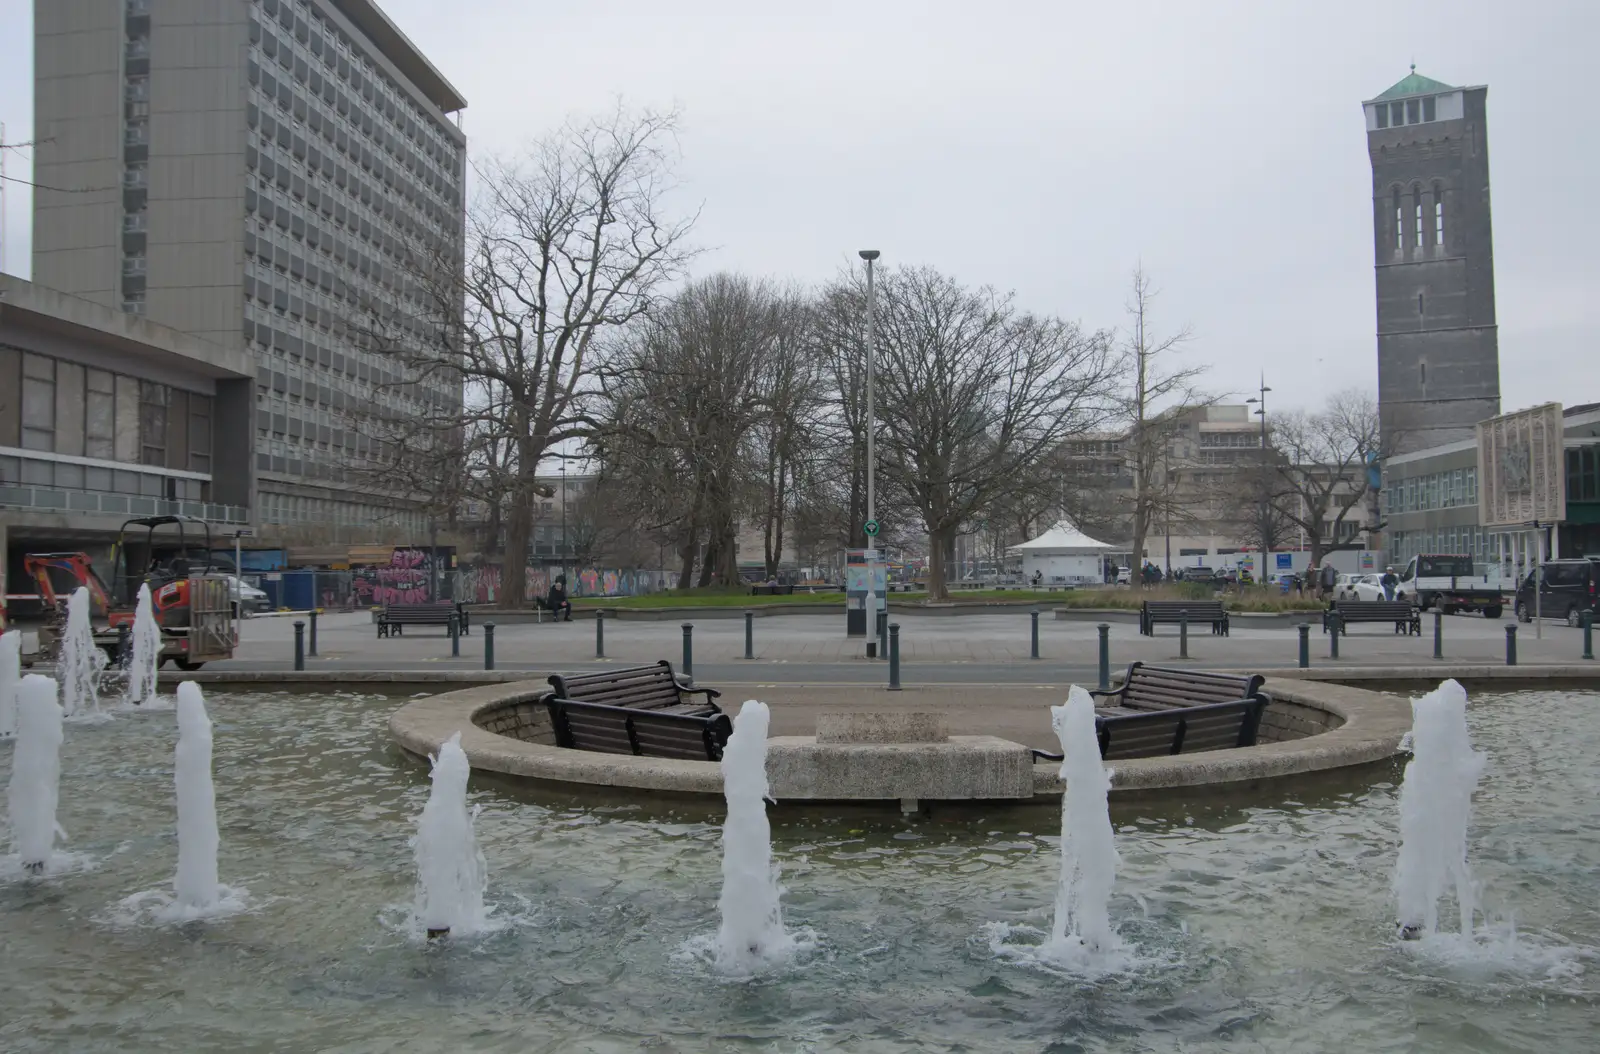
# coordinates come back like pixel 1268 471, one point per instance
pixel 192 605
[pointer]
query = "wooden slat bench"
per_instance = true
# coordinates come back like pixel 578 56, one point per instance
pixel 1171 612
pixel 1406 618
pixel 647 733
pixel 1159 710
pixel 1184 730
pixel 395 617
pixel 760 590
pixel 1146 688
pixel 653 687
pixel 642 710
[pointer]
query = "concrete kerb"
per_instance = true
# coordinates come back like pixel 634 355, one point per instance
pixel 1369 727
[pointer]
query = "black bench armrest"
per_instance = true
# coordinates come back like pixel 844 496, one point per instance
pixel 1045 755
pixel 690 689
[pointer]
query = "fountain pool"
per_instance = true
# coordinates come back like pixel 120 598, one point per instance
pixel 1264 921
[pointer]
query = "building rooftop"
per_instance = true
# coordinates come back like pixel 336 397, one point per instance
pixel 41 307
pixel 1414 83
pixel 397 47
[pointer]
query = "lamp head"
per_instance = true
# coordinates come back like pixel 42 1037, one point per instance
pixel 868 254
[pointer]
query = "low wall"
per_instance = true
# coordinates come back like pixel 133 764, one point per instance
pixel 1310 727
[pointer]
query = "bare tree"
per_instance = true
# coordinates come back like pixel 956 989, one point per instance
pixel 1323 476
pixel 975 396
pixel 565 242
pixel 683 398
pixel 1157 399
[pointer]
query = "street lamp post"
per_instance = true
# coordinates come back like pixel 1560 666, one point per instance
pixel 563 519
pixel 870 255
pixel 1266 515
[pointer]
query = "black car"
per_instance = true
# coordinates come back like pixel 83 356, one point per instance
pixel 1570 588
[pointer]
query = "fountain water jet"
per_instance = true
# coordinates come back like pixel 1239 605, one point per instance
pixel 10 681
pixel 35 787
pixel 452 874
pixel 196 885
pixel 146 653
pixel 1088 847
pixel 81 661
pixel 1435 810
pixel 752 934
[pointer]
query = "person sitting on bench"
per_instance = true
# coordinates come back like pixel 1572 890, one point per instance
pixel 557 601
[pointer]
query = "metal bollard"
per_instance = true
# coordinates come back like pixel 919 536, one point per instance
pixel 124 646
pixel 883 631
pixel 1335 628
pixel 1105 656
pixel 1034 640
pixel 455 636
pixel 312 650
pixel 688 650
pixel 1305 645
pixel 894 656
pixel 299 645
pixel 1438 634
pixel 1586 620
pixel 1511 644
pixel 1183 634
pixel 750 634
pixel 488 645
pixel 599 634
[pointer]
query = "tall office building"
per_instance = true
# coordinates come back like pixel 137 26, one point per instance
pixel 1433 245
pixel 257 173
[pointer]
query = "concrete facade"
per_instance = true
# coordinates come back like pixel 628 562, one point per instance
pixel 1433 250
pixel 105 416
pixel 256 173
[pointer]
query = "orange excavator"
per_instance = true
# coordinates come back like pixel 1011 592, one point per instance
pixel 194 609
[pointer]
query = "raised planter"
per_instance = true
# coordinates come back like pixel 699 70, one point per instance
pixel 1311 727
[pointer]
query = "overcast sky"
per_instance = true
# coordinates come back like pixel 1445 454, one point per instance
pixel 1049 147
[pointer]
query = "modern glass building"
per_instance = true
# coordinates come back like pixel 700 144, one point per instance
pixel 258 173
pixel 1430 502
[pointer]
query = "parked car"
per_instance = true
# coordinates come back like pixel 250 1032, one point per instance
pixel 1359 587
pixel 1124 576
pixel 1569 589
pixel 247 599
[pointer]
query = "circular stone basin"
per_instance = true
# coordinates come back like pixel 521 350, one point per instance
pixel 1257 921
pixel 1308 727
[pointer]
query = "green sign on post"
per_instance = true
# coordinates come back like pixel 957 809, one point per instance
pixel 871 527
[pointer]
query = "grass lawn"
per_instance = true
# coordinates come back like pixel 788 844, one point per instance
pixel 1125 599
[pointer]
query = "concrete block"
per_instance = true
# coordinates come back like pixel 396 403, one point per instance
pixel 881 726
pixel 963 767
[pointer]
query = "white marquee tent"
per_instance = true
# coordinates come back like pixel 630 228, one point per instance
pixel 1063 555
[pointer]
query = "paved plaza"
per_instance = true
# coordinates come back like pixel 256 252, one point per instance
pixel 934 649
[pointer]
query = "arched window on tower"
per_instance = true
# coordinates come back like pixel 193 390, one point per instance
pixel 1416 200
pixel 1399 223
pixel 1438 214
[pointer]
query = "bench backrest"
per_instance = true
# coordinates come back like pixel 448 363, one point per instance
pixel 1166 688
pixel 643 687
pixel 1198 609
pixel 1217 726
pixel 620 730
pixel 398 612
pixel 1398 608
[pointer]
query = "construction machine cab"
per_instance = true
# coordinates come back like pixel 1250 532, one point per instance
pixel 141 557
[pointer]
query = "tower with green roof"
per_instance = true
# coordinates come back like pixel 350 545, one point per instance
pixel 1433 247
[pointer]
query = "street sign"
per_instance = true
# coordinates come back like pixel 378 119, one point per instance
pixel 871 527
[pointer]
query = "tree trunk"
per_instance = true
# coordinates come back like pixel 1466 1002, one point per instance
pixel 691 548
pixel 940 542
pixel 710 564
pixel 514 562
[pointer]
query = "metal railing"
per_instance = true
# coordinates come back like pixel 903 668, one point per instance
pixel 89 501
